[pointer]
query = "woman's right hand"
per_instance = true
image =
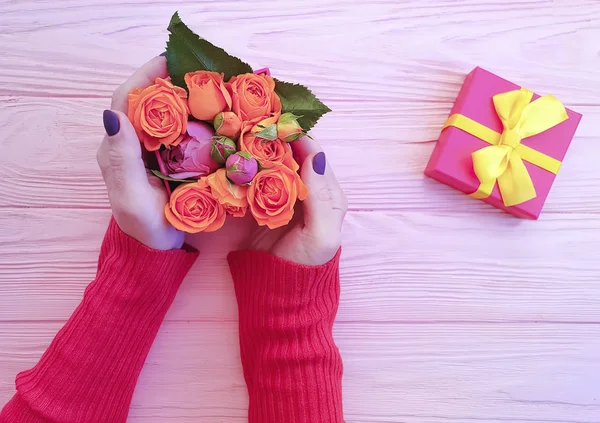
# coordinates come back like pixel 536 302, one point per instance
pixel 314 236
pixel 137 198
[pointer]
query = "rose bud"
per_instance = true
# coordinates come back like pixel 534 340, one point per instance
pixel 227 124
pixel 288 128
pixel 222 148
pixel 241 168
pixel 208 94
pixel 191 158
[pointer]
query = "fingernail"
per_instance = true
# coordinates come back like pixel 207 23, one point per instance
pixel 163 54
pixel 319 163
pixel 111 122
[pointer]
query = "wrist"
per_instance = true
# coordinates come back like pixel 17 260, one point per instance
pixel 155 235
pixel 282 289
pixel 122 250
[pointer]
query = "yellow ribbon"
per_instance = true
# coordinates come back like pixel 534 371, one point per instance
pixel 502 161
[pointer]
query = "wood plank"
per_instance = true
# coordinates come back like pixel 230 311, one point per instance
pixel 379 152
pixel 410 267
pixel 451 311
pixel 543 44
pixel 414 373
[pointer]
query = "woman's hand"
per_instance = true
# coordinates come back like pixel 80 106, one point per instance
pixel 136 197
pixel 314 236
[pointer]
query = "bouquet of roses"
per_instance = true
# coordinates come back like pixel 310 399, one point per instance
pixel 220 134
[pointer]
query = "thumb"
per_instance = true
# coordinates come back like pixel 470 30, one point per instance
pixel 325 206
pixel 120 154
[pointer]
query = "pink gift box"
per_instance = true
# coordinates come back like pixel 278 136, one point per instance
pixel 161 164
pixel 451 162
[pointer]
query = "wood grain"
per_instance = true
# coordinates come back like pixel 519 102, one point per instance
pixel 451 311
pixel 410 267
pixel 414 373
pixel 63 134
pixel 417 49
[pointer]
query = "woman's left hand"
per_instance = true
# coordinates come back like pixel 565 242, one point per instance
pixel 137 198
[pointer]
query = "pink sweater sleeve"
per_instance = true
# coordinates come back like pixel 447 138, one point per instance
pixel 292 367
pixel 89 372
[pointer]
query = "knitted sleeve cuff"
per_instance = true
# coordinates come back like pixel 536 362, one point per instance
pixel 292 367
pixel 90 369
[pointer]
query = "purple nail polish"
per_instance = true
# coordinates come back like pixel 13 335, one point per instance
pixel 111 122
pixel 319 163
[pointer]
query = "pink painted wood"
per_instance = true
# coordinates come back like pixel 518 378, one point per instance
pixel 451 310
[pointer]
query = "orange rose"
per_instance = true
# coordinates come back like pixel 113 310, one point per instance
pixel 192 208
pixel 273 194
pixel 159 114
pixel 254 96
pixel 208 95
pixel 236 211
pixel 226 192
pixel 227 124
pixel 268 153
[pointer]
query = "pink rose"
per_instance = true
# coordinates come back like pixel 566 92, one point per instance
pixel 191 158
pixel 241 168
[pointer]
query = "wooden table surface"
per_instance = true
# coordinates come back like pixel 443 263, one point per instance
pixel 451 311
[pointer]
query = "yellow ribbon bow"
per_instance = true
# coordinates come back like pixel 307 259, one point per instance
pixel 502 161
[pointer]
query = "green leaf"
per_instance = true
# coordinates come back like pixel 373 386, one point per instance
pixel 187 52
pixel 288 117
pixel 245 155
pixel 168 178
pixel 269 133
pixel 299 100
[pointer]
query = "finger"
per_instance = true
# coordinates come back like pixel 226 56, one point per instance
pixel 326 204
pixel 141 78
pixel 304 147
pixel 120 156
